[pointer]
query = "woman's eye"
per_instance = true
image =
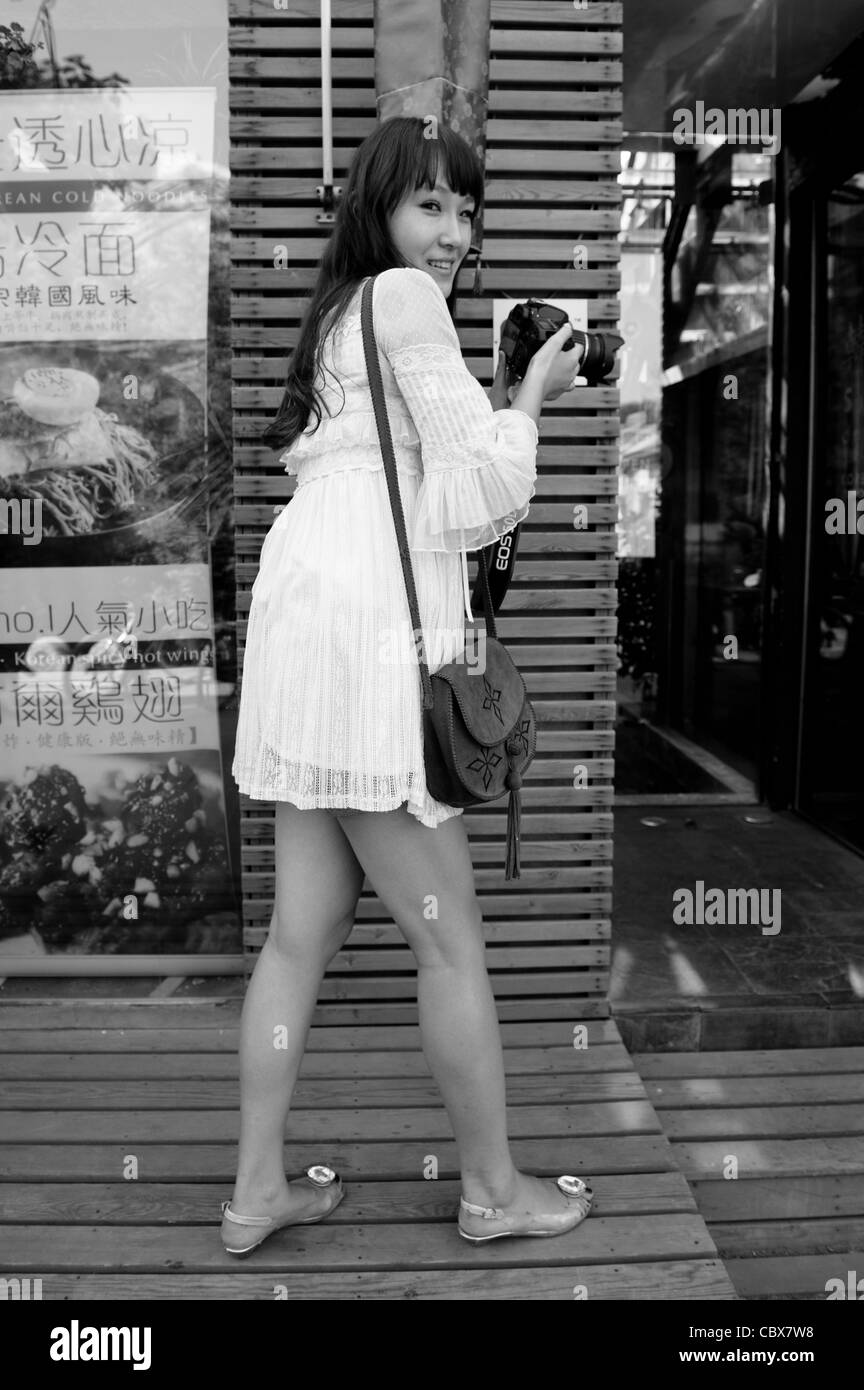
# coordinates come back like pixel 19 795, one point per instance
pixel 432 203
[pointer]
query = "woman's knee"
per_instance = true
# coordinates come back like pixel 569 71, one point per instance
pixel 307 941
pixel 448 934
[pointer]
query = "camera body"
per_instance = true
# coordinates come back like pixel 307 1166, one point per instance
pixel 531 324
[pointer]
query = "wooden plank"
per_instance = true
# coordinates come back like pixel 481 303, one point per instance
pixel 566 38
pixel 561 461
pixel 131 1204
pixel 142 1026
pixel 508 11
pixel 113 1066
pixel 417 1124
pixel 397 1092
pixel 771 1091
pixel 381 1161
pixel 519 599
pixel 258 856
pixel 259 825
pixel 511 283
pixel 568 196
pixel 505 74
pixel 527 956
pixel 147 1025
pixel 307 158
pixel 575 101
pixel 309 126
pixel 517 903
pixel 575 427
pixel 775 1158
pixel 797 1061
pixel 673 1235
pixel 765 1122
pixel 663 1280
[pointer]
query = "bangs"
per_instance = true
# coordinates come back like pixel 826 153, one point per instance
pixel 450 158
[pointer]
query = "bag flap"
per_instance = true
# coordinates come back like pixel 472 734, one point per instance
pixel 490 701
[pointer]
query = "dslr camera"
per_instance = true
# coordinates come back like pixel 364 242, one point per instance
pixel 533 323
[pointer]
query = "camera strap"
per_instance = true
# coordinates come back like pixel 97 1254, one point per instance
pixel 498 560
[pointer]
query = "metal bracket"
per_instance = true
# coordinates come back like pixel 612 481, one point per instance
pixel 327 194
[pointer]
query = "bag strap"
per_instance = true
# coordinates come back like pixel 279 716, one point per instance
pixel 373 368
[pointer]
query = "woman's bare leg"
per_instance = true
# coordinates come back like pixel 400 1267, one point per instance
pixel 318 882
pixel 414 870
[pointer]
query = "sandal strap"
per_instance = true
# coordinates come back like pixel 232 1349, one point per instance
pixel 493 1213
pixel 244 1220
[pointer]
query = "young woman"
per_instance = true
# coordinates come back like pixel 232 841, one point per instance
pixel 330 724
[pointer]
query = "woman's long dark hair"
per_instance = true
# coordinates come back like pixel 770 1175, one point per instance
pixel 393 161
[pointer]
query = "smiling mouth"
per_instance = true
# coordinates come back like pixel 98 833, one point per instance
pixel 442 265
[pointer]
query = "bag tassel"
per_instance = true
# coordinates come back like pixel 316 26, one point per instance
pixel 514 818
pixel 514 812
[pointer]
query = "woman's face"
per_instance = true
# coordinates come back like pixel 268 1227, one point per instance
pixel 431 229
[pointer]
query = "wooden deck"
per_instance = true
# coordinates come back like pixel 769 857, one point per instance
pixel 90 1088
pixel 793 1120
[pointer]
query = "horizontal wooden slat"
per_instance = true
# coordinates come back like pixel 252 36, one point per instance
pixel 416 1124
pixel 501 11
pixel 511 282
pixel 115 1066
pixel 552 426
pixel 294 38
pixel 531 191
pixel 768 1092
pixel 192 1024
pixel 128 1204
pixel 338 1247
pixel 661 1280
pixel 512 133
pixel 399 1093
pixel 799 1061
pixel 792 1121
pixel 575 101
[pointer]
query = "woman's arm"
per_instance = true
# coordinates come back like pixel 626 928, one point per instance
pixel 479 464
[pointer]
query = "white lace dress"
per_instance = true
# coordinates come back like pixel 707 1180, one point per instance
pixel 330 707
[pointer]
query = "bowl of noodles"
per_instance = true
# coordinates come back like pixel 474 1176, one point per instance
pixel 102 458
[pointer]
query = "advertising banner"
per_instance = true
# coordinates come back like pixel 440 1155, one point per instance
pixel 112 797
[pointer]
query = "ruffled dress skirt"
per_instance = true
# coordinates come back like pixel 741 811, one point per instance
pixel 331 697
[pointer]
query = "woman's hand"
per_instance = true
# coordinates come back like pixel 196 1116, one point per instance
pixel 554 367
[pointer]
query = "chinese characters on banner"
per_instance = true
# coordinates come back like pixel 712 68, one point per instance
pixel 112 802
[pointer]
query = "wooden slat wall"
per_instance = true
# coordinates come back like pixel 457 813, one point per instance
pixel 553 140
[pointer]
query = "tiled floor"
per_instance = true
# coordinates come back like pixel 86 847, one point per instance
pixel 814 964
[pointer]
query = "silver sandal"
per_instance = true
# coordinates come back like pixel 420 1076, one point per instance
pixel 555 1224
pixel 319 1175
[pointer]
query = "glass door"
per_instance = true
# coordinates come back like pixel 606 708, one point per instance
pixel 831 787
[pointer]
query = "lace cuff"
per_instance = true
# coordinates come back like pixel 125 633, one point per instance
pixel 470 505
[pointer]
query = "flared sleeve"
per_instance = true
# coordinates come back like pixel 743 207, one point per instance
pixel 479 464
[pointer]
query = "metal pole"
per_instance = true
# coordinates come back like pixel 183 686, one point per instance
pixel 326 192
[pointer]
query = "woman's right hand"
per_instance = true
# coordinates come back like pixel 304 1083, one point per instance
pixel 554 367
